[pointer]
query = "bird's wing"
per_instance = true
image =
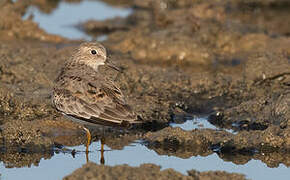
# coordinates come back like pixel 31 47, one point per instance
pixel 93 102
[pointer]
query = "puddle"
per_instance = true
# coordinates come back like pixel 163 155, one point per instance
pixel 199 123
pixel 64 163
pixel 63 20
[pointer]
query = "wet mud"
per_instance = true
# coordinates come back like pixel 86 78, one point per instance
pixel 13 26
pixel 145 171
pixel 239 148
pixel 178 58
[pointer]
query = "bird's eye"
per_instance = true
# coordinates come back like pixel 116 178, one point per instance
pixel 93 51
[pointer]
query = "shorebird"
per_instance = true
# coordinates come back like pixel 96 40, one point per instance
pixel 87 96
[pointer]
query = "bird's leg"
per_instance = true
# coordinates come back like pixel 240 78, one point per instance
pixel 89 137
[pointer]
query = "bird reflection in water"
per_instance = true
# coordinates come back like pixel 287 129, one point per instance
pixel 102 150
pixel 102 160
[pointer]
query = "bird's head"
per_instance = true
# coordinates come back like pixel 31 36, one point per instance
pixel 93 55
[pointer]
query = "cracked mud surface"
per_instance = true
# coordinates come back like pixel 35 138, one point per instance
pixel 179 57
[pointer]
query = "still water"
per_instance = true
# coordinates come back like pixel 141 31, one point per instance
pixel 63 164
pixel 62 21
pixel 199 123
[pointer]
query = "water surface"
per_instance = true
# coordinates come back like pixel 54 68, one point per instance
pixel 199 123
pixel 63 164
pixel 63 20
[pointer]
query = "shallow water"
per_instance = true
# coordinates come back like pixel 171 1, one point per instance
pixel 199 123
pixel 63 164
pixel 63 20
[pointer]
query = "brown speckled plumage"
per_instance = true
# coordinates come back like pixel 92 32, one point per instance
pixel 82 92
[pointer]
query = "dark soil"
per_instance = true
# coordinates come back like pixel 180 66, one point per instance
pixel 145 171
pixel 179 58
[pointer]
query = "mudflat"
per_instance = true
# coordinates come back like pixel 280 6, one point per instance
pixel 179 58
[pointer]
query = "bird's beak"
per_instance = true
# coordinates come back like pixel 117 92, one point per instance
pixel 113 66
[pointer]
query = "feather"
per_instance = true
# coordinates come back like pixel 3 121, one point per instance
pixel 85 94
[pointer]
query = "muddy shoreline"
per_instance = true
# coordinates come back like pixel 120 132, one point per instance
pixel 145 171
pixel 179 58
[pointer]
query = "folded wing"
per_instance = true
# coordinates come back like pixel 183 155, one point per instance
pixel 92 101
